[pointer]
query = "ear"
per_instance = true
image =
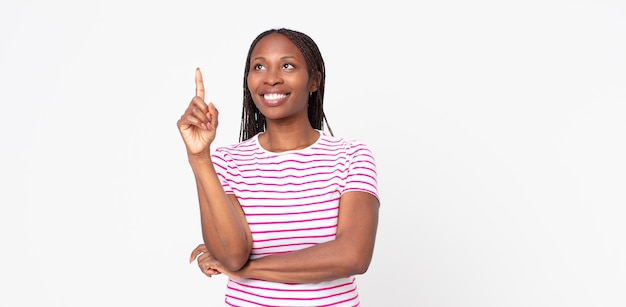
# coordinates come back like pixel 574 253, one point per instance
pixel 315 82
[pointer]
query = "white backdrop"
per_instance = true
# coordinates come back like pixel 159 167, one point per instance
pixel 498 128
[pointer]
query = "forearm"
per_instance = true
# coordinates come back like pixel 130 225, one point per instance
pixel 224 230
pixel 350 253
pixel 322 262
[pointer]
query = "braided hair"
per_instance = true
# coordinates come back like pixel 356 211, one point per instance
pixel 252 121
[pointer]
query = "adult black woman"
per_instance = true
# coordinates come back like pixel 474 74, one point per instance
pixel 289 213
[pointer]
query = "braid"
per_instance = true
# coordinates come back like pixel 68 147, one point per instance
pixel 252 121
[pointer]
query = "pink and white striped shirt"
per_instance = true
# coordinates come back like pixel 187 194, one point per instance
pixel 291 202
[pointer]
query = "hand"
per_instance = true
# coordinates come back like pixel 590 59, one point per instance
pixel 198 124
pixel 209 265
pixel 206 262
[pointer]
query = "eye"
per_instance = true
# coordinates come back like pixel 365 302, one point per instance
pixel 288 66
pixel 258 66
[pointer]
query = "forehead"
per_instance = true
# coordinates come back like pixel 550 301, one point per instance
pixel 276 44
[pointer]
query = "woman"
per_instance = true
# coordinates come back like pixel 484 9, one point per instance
pixel 289 213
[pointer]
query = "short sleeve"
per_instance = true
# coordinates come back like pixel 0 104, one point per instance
pixel 362 174
pixel 221 164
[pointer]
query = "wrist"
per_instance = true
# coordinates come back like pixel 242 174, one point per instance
pixel 199 158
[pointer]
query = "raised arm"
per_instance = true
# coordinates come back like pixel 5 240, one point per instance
pixel 225 231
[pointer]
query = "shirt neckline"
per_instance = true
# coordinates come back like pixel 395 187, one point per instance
pixel 258 145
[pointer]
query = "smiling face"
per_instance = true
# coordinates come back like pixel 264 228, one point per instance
pixel 278 79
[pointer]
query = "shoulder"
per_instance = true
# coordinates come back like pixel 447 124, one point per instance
pixel 242 149
pixel 349 146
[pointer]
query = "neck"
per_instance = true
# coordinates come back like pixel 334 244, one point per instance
pixel 279 139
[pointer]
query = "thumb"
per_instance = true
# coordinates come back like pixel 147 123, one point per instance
pixel 213 115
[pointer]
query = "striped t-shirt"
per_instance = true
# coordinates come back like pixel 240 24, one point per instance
pixel 291 201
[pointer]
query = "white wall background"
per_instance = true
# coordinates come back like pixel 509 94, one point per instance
pixel 498 127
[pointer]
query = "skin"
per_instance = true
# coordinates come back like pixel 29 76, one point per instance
pixel 225 231
pixel 278 66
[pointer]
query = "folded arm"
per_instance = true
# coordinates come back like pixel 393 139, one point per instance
pixel 350 253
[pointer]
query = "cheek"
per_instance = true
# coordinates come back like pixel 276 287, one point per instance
pixel 300 82
pixel 253 80
pixel 255 101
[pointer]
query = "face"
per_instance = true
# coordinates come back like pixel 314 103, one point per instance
pixel 278 79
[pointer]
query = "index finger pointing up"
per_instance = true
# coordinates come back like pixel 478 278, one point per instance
pixel 199 84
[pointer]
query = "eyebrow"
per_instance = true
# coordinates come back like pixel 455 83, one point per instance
pixel 282 58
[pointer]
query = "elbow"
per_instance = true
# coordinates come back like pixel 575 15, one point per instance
pixel 231 257
pixel 357 265
pixel 360 267
pixel 231 261
pixel 233 265
pixel 234 262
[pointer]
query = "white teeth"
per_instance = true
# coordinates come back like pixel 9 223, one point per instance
pixel 274 96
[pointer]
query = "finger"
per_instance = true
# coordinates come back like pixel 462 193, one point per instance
pixel 207 267
pixel 196 113
pixel 203 258
pixel 201 247
pixel 210 272
pixel 199 84
pixel 194 254
pixel 196 102
pixel 190 120
pixel 197 251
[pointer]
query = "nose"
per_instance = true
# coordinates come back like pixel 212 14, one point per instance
pixel 273 77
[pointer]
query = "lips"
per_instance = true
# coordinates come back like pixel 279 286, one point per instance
pixel 274 98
